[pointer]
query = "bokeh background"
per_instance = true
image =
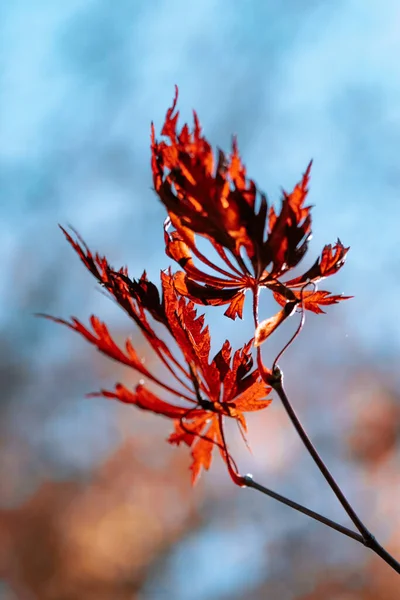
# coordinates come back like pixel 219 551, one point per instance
pixel 93 503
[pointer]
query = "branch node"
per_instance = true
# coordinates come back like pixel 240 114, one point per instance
pixel 248 479
pixel 369 540
pixel 276 377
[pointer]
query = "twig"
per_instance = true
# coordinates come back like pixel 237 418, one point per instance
pixel 249 482
pixel 366 536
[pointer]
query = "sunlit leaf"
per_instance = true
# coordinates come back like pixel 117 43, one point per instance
pixel 209 194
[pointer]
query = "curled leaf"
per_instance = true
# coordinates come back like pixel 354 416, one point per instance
pixel 268 326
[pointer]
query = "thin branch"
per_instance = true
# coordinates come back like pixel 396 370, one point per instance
pixel 256 299
pixel 290 342
pixel 384 554
pixel 278 387
pixel 296 333
pixel 275 379
pixel 249 482
pixel 367 538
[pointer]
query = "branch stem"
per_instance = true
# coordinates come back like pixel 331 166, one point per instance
pixel 249 482
pixel 278 387
pixel 274 378
pixel 367 539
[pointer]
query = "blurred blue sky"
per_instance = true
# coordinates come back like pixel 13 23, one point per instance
pixel 80 82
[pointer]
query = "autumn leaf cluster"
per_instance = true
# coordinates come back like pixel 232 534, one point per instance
pixel 208 195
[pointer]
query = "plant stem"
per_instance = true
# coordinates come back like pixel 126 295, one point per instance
pixel 278 387
pixel 275 379
pixel 249 482
pixel 384 554
pixel 366 536
pixel 256 296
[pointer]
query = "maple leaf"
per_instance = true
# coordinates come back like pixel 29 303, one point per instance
pixel 313 300
pixel 211 196
pixel 206 390
pixel 330 261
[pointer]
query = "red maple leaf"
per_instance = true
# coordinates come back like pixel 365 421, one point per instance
pixel 213 198
pixel 207 391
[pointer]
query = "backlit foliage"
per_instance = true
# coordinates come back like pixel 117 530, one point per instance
pixel 208 194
